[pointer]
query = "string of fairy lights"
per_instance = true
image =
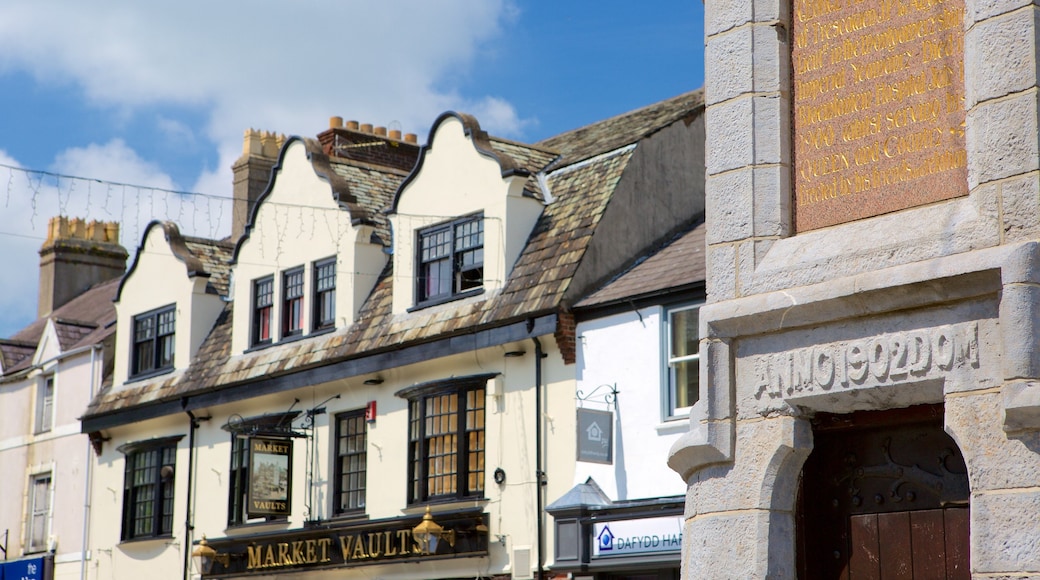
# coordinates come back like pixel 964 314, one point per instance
pixel 31 197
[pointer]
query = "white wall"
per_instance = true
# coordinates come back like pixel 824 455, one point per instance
pixel 509 444
pixel 62 451
pixel 626 350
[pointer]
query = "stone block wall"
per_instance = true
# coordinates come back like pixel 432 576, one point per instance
pixel 957 280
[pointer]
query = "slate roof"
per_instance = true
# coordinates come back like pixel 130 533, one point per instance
pixel 86 319
pixel 373 187
pixel 624 129
pixel 214 256
pixel 679 263
pixel 535 287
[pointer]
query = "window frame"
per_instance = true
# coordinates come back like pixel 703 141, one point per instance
pixel 45 391
pixel 458 286
pixel 668 373
pixel 158 508
pixel 320 297
pixel 469 463
pixel 292 302
pixel 343 469
pixel 238 481
pixel 34 511
pixel 262 304
pixel 157 340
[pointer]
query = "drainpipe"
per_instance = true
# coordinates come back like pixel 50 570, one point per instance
pixel 88 469
pixel 189 523
pixel 539 459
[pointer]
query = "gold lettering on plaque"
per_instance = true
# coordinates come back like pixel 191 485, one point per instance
pixel 878 107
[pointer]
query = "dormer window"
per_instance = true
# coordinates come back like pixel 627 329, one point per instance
pixel 292 302
pixel 451 259
pixel 324 294
pixel 263 302
pixel 153 342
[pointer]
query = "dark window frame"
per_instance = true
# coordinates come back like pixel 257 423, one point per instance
pixel 262 311
pixel 449 260
pixel 238 480
pixel 351 463
pixel 323 307
pixel 292 302
pixel 148 354
pixel 437 470
pixel 149 482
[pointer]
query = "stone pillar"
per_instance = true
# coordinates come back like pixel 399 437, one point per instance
pixel 740 516
pixel 873 243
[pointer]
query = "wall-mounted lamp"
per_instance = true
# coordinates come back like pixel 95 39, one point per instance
pixel 428 534
pixel 374 381
pixel 515 353
pixel 204 557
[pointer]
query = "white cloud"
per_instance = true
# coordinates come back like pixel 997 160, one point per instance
pixel 272 65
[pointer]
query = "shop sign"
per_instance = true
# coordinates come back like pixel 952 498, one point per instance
pixel 353 545
pixel 595 434
pixel 632 537
pixel 270 477
pixel 28 569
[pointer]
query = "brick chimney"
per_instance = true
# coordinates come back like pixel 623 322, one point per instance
pixel 252 172
pixel 368 144
pixel 76 256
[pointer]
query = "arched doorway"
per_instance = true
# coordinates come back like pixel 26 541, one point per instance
pixel 884 494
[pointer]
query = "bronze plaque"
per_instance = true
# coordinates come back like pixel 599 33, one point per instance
pixel 878 107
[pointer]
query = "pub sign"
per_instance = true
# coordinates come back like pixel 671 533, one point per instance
pixel 270 477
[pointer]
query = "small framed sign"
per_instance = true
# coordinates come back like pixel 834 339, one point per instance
pixel 595 436
pixel 270 477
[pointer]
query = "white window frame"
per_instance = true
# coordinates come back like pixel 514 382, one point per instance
pixel 668 382
pixel 39 509
pixel 45 391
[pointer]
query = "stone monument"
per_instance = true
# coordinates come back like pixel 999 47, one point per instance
pixel 870 350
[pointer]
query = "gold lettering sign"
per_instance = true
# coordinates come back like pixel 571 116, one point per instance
pixel 878 107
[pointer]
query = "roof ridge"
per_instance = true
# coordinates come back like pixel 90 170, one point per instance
pixel 629 113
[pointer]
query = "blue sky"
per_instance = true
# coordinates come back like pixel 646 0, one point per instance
pixel 159 94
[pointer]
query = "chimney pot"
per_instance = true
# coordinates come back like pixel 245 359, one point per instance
pixel 335 122
pixel 366 127
pixel 76 256
pixel 411 138
pixel 251 143
pixel 352 125
pixel 395 134
pixel 380 131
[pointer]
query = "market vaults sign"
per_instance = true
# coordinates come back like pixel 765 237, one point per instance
pixel 374 543
pixel 270 477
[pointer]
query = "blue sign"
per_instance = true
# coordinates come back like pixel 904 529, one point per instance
pixel 29 569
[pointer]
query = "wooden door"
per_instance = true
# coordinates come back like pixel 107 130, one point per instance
pixel 884 495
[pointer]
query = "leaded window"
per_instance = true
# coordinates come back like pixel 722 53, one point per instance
pixel 451 259
pixel 148 488
pixel 446 443
pixel 351 462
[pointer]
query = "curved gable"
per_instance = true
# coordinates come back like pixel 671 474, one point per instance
pixel 481 143
pixel 177 246
pixel 339 188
